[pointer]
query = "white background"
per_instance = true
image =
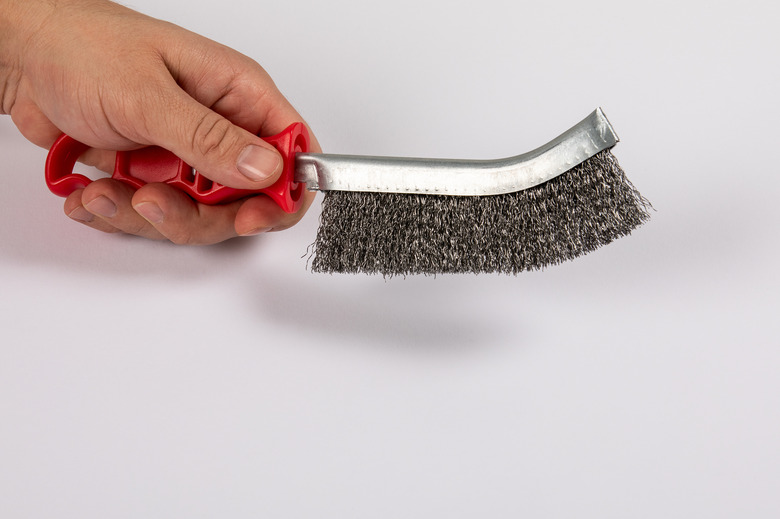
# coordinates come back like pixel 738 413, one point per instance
pixel 140 379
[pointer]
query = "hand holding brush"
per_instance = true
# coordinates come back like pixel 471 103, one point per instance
pixel 115 79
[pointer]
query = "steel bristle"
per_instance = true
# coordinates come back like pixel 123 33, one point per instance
pixel 400 234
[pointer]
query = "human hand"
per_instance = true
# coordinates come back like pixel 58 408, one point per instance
pixel 115 79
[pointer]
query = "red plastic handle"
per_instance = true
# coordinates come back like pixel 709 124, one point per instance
pixel 154 164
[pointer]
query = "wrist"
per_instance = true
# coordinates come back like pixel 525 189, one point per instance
pixel 19 20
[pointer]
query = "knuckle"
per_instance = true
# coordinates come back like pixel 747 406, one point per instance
pixel 213 136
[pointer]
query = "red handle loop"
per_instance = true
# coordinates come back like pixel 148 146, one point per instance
pixel 59 166
pixel 154 164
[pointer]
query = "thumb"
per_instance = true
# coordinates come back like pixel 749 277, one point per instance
pixel 215 147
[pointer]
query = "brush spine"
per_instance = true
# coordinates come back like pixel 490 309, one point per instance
pixel 324 172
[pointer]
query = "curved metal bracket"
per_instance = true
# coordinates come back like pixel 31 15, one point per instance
pixel 324 172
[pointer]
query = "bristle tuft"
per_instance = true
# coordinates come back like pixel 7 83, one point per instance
pixel 400 234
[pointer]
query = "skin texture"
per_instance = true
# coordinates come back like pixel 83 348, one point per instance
pixel 116 79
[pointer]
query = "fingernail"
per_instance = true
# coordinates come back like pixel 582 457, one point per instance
pixel 257 163
pixel 255 232
pixel 82 215
pixel 102 206
pixel 150 211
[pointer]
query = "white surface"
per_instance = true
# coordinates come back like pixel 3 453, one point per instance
pixel 140 379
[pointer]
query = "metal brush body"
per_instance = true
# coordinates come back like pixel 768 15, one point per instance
pixel 394 216
pixel 327 172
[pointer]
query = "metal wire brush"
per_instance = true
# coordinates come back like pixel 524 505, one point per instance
pixel 395 216
pixel 403 216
